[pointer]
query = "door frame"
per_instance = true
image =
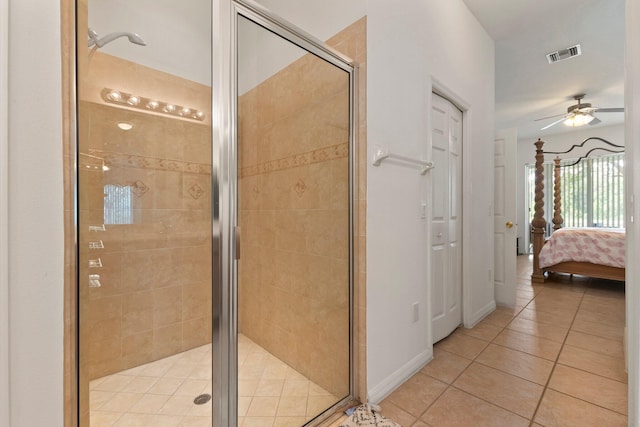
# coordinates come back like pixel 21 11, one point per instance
pixel 225 189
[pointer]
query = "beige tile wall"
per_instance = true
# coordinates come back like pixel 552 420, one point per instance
pixel 294 200
pixel 155 298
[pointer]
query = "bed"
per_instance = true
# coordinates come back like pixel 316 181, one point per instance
pixel 594 252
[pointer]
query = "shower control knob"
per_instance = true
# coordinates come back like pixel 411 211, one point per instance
pixel 96 245
pixel 94 281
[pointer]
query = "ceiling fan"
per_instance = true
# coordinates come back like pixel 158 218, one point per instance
pixel 580 114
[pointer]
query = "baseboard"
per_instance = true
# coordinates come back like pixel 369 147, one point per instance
pixel 481 314
pixel 395 380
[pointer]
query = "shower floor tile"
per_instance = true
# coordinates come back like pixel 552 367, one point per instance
pixel 161 393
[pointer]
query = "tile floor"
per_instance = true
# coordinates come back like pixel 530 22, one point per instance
pixel 161 393
pixel 556 359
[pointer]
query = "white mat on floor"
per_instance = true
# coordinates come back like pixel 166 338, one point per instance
pixel 366 415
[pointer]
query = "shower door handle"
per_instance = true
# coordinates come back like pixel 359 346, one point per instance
pixel 237 241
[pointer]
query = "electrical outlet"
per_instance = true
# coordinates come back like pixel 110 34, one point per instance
pixel 416 311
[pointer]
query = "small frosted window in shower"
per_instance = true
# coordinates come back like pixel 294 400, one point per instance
pixel 118 204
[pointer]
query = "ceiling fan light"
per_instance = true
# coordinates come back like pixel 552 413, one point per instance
pixel 578 119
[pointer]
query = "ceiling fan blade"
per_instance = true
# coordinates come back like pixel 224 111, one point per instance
pixel 550 117
pixel 564 117
pixel 595 121
pixel 610 110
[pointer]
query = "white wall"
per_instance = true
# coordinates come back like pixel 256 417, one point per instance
pixel 4 213
pixel 35 235
pixel 558 142
pixel 410 43
pixel 321 19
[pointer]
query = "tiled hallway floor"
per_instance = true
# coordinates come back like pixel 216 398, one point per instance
pixel 556 359
pixel 161 393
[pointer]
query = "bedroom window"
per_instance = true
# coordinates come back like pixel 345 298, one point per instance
pixel 592 192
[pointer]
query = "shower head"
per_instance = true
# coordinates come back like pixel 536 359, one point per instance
pixel 93 37
pixel 133 38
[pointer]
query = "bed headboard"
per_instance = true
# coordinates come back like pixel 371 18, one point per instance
pixel 616 149
pixel 538 224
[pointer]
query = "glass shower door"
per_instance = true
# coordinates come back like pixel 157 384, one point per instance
pixel 144 212
pixel 293 207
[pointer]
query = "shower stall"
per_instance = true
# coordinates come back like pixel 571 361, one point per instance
pixel 215 216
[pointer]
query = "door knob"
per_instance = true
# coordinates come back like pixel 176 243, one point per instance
pixel 509 224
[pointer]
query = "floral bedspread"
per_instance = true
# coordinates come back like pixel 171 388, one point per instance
pixel 602 246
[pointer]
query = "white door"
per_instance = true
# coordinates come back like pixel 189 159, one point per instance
pixel 504 214
pixel 446 218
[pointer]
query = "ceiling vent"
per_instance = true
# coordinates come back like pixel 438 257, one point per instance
pixel 562 54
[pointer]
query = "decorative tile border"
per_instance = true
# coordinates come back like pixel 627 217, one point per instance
pixel 333 152
pixel 143 162
pixel 316 156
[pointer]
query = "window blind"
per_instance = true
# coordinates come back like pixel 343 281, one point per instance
pixel 592 192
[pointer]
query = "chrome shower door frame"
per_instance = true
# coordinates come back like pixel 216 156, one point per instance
pixel 225 190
